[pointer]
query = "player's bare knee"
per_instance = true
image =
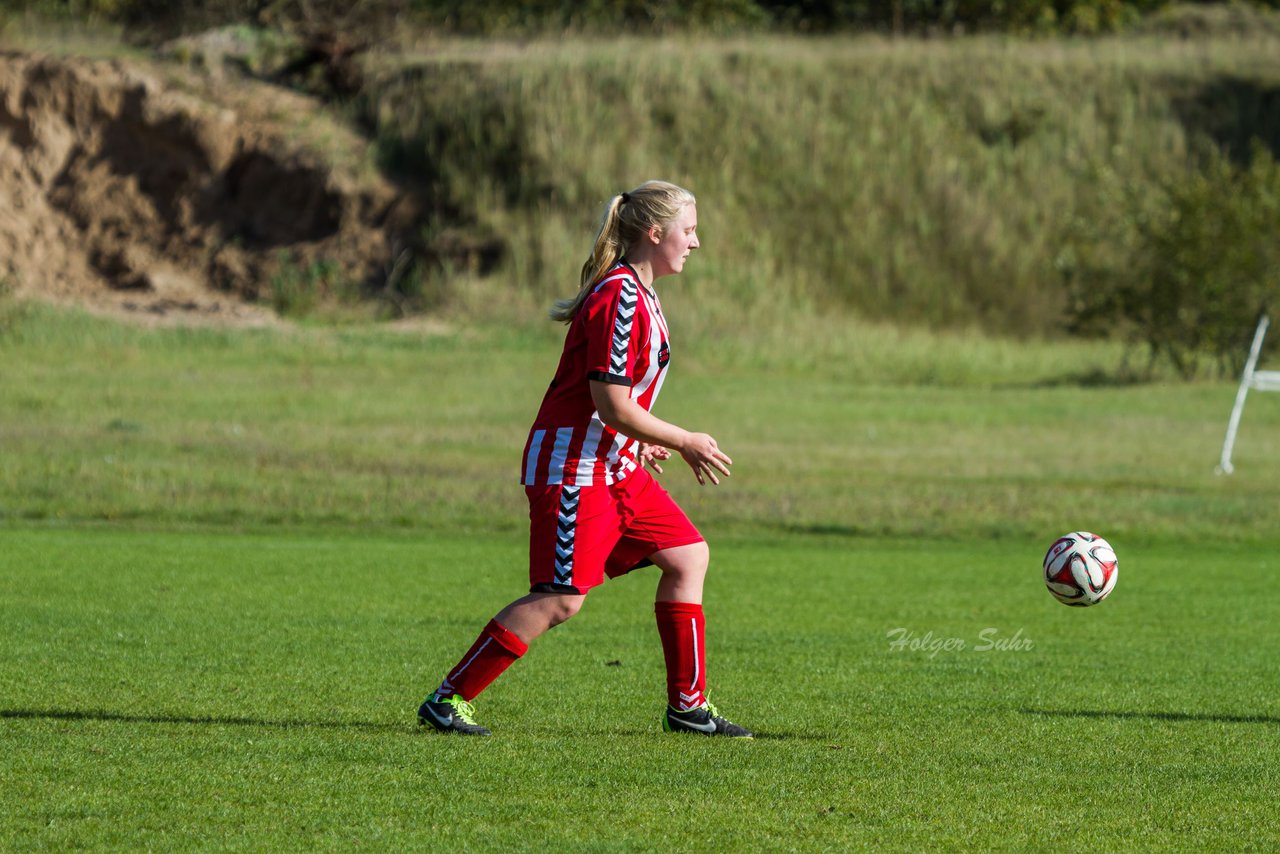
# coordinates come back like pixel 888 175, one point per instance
pixel 689 562
pixel 562 607
pixel 697 558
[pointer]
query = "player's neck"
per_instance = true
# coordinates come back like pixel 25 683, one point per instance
pixel 643 268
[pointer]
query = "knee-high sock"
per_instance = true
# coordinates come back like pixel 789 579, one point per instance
pixel 491 654
pixel 682 627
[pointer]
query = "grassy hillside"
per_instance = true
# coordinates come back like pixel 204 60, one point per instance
pixel 927 182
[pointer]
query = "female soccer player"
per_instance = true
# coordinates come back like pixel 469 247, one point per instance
pixel 593 509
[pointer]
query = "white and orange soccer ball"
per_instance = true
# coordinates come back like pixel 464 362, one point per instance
pixel 1080 569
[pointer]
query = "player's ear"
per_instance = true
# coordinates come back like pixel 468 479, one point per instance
pixel 655 234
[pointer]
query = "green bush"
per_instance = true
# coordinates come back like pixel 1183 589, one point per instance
pixel 1203 264
pixel 503 17
pixel 10 309
pixel 299 288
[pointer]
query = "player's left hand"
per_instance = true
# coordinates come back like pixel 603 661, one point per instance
pixel 650 455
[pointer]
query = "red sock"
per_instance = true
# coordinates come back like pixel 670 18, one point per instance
pixel 683 631
pixel 491 654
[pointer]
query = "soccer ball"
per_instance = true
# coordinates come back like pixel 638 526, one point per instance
pixel 1080 569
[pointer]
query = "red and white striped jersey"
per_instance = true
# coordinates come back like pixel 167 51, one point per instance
pixel 618 336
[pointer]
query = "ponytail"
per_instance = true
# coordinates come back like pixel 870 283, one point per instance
pixel 626 219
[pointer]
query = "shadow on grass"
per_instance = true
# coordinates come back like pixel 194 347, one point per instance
pixel 782 735
pixel 209 720
pixel 776 735
pixel 1155 716
pixel 1095 378
pixel 368 726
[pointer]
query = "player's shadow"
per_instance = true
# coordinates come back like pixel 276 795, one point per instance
pixel 1155 716
pixel 772 735
pixel 195 720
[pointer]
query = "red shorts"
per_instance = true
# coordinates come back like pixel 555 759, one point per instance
pixel 578 535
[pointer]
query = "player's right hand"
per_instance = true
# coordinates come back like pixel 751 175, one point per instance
pixel 704 456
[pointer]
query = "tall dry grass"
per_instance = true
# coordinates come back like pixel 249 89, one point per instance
pixel 923 182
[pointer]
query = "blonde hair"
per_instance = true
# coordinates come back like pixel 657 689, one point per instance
pixel 626 219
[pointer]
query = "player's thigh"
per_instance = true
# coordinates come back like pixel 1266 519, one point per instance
pixel 655 526
pixel 572 532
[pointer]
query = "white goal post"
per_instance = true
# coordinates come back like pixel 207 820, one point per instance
pixel 1251 378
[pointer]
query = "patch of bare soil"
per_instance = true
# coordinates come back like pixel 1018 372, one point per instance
pixel 139 189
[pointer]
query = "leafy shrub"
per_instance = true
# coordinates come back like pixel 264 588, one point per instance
pixel 1083 16
pixel 502 17
pixel 1204 263
pixel 298 288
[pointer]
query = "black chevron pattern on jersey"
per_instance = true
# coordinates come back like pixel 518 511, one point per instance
pixel 566 521
pixel 627 299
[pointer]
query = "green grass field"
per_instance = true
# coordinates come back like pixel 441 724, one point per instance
pixel 231 562
pixel 176 691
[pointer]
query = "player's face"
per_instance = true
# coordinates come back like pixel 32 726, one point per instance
pixel 677 242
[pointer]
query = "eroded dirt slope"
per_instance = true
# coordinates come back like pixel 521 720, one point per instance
pixel 128 187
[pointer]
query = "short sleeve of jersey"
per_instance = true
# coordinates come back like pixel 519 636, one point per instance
pixel 611 319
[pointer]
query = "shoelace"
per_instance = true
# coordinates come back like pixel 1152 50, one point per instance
pixel 464 710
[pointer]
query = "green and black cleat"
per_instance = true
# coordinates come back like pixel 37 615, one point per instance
pixel 450 714
pixel 704 720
